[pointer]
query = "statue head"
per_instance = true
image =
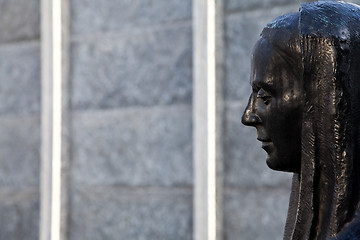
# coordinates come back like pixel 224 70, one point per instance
pixel 275 105
pixel 305 105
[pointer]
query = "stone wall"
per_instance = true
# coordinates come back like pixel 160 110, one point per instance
pixel 19 119
pixel 131 86
pixel 131 120
pixel 130 129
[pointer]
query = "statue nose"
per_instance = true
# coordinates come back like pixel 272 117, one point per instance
pixel 249 118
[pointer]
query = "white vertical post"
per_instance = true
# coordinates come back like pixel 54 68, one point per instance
pixel 205 118
pixel 51 119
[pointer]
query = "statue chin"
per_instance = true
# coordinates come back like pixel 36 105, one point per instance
pixel 304 104
pixel 275 165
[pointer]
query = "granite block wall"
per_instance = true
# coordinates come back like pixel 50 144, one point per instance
pixel 130 95
pixel 131 167
pixel 131 123
pixel 131 86
pixel 19 119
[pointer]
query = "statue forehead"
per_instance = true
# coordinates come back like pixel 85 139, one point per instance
pixel 265 54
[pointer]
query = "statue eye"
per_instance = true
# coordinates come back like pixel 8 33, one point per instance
pixel 264 95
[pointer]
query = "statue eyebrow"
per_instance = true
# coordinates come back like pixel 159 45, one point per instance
pixel 266 86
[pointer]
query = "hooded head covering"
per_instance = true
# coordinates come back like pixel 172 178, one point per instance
pixel 324 39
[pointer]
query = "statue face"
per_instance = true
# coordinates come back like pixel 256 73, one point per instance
pixel 275 106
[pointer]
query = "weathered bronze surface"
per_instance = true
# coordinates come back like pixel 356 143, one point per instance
pixel 305 105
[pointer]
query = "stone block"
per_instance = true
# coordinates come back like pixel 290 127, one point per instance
pixel 239 6
pixel 91 16
pixel 133 147
pixel 144 68
pixel 255 214
pixel 144 214
pixel 20 72
pixel 354 1
pixel 244 159
pixel 232 6
pixel 241 32
pixel 19 214
pixel 19 20
pixel 19 152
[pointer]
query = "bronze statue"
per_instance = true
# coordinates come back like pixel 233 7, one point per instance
pixel 305 105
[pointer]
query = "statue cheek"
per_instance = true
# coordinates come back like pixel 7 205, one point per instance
pixel 287 98
pixel 291 98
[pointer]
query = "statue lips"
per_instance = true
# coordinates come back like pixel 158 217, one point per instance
pixel 267 144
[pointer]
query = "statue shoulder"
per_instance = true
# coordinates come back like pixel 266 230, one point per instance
pixel 351 230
